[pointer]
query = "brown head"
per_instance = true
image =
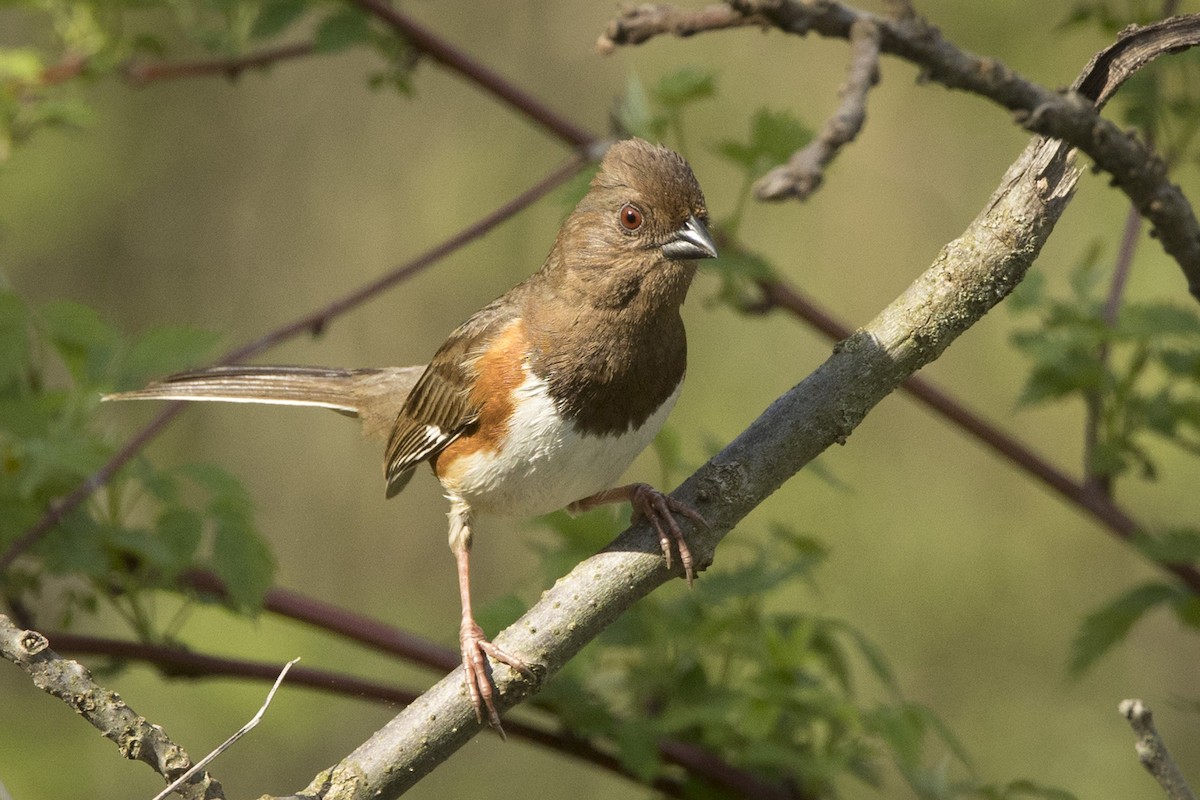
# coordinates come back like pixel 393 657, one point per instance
pixel 634 236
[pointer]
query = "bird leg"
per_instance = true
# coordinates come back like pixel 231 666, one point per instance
pixel 649 503
pixel 474 646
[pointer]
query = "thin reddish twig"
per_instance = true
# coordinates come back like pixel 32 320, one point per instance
pixel 142 73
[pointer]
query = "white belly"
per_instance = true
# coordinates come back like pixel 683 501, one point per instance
pixel 546 463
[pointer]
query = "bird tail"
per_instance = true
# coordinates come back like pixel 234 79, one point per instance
pixel 374 395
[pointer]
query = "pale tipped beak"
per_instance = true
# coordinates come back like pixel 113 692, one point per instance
pixel 690 241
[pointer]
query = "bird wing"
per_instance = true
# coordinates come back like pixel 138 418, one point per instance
pixel 441 407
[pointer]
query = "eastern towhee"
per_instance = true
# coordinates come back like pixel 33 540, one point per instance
pixel 543 398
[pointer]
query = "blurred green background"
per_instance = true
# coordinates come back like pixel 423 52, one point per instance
pixel 237 206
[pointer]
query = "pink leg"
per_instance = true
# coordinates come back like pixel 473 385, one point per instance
pixel 474 645
pixel 651 504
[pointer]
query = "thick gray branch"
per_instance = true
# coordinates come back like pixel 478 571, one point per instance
pixel 803 173
pixel 1072 116
pixel 70 682
pixel 1152 751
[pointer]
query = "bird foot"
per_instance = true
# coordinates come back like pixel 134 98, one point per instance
pixel 476 649
pixel 660 509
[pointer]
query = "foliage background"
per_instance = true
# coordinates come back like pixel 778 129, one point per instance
pixel 235 206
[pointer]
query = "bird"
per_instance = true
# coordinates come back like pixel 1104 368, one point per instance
pixel 542 398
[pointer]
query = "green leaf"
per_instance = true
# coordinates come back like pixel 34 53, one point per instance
pixel 1052 380
pixel 241 558
pixel 634 114
pixel 164 350
pixel 637 748
pixel 63 112
pixel 774 136
pixel 85 342
pixel 1026 788
pixel 17 515
pixel 1030 292
pixel 180 530
pixel 1086 274
pixel 30 417
pixel 1181 363
pixel 74 547
pixel 14 339
pixel 342 29
pixel 501 612
pixel 680 89
pixel 1154 320
pixel 1187 610
pixel 873 655
pixel 1176 546
pixel 276 16
pixel 57 461
pixel 212 478
pixel 902 729
pixel 1105 627
pixel 740 271
pixel 23 65
pixel 146 550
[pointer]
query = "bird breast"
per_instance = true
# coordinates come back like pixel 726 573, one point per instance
pixel 543 462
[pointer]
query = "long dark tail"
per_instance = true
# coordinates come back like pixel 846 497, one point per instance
pixel 374 395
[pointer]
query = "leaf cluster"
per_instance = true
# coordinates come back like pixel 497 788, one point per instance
pixel 800 700
pixel 41 84
pixel 1139 368
pixel 149 524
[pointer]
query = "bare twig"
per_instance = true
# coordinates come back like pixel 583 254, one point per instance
pixel 637 24
pixel 176 662
pixel 137 739
pixel 142 73
pixel 1072 116
pixel 1152 751
pixel 313 322
pixel 225 745
pixel 805 170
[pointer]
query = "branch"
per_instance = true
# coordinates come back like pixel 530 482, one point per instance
pixel 314 322
pixel 137 739
pixel 339 621
pixel 1073 116
pixel 140 74
pixel 1152 751
pixel 805 170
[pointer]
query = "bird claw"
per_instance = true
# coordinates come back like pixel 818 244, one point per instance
pixel 660 509
pixel 476 650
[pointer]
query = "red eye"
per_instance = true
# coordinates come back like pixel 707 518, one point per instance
pixel 631 217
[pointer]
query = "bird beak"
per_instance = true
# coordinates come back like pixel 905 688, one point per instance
pixel 692 240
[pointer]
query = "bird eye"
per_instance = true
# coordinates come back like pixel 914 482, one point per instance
pixel 631 217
